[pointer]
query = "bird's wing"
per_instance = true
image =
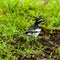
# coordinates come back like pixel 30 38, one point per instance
pixel 33 29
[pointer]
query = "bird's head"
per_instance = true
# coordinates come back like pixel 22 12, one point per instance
pixel 39 21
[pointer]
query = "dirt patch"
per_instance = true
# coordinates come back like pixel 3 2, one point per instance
pixel 49 40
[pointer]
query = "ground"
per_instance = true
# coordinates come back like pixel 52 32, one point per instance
pixel 51 42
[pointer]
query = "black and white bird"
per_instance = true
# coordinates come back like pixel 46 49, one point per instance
pixel 34 30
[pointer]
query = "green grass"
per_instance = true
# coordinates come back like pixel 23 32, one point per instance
pixel 15 18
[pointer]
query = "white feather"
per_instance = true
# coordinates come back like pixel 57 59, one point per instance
pixel 38 30
pixel 35 34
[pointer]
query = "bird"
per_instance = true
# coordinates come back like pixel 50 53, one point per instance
pixel 35 29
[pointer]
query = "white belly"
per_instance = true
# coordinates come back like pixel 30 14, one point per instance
pixel 35 34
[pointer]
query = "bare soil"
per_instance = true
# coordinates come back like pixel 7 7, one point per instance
pixel 51 41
